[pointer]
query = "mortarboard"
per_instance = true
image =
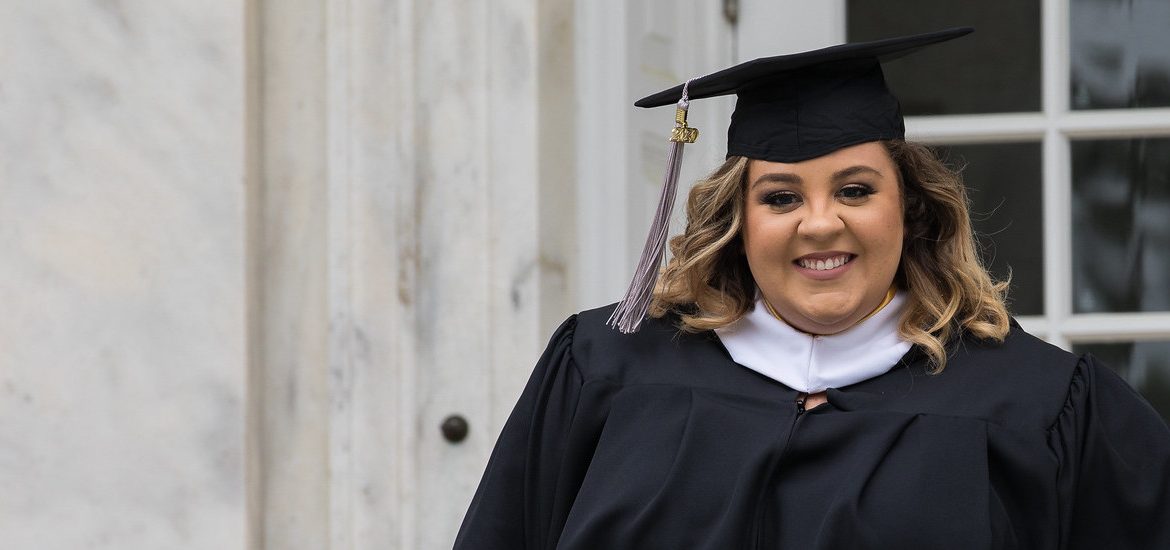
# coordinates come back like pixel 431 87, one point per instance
pixel 788 108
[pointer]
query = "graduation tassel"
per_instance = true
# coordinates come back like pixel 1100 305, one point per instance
pixel 632 309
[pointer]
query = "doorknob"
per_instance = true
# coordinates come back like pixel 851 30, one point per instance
pixel 454 428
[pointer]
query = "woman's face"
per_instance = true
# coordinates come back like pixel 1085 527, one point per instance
pixel 823 237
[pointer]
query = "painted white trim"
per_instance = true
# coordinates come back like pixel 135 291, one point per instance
pixel 1057 194
pixel 1054 51
pixel 1057 183
pixel 997 128
pixel 1115 123
pixel 1057 207
pixel 1117 327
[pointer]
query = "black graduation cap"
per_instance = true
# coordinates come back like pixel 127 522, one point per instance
pixel 789 108
pixel 803 105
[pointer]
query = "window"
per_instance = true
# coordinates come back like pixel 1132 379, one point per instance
pixel 1060 111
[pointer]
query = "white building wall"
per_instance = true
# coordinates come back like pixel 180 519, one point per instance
pixel 253 253
pixel 122 252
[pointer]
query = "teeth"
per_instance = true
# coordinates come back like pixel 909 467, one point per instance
pixel 822 265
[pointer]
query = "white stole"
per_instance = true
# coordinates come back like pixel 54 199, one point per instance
pixel 812 364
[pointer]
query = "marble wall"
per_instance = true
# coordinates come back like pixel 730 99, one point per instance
pixel 252 253
pixel 122 338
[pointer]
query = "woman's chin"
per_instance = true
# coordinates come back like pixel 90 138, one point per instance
pixel 824 322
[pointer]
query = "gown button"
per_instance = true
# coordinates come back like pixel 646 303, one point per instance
pixel 454 428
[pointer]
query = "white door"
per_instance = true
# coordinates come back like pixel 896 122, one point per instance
pixel 622 149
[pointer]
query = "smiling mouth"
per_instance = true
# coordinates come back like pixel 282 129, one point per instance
pixel 824 264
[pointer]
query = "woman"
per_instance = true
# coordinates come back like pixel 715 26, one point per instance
pixel 825 365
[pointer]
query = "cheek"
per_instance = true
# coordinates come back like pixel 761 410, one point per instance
pixel 753 231
pixel 764 238
pixel 888 241
pixel 890 230
pixel 765 230
pixel 882 235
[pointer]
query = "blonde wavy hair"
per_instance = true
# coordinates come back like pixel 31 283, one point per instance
pixel 708 285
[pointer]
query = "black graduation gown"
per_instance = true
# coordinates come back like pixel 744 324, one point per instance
pixel 657 440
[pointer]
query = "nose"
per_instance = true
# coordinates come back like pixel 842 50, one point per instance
pixel 820 222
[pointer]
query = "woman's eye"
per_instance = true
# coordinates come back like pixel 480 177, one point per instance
pixel 854 192
pixel 781 199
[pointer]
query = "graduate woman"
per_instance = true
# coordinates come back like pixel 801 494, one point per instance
pixel 823 363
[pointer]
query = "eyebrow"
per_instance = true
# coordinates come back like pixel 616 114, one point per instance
pixel 847 173
pixel 790 178
pixel 778 177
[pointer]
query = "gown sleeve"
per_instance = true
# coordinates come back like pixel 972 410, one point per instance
pixel 1114 453
pixel 513 506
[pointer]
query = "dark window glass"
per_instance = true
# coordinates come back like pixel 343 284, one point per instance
pixel 1004 186
pixel 1145 365
pixel 1121 225
pixel 1119 53
pixel 996 69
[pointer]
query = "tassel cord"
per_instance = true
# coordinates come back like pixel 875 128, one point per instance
pixel 636 303
pixel 630 312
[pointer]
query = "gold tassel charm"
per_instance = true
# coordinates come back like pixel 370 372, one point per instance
pixel 681 132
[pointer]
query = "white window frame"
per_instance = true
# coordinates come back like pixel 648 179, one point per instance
pixel 1055 126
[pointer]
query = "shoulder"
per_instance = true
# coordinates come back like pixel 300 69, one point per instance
pixel 594 330
pixel 598 345
pixel 658 353
pixel 1021 357
pixel 1020 383
pixel 1023 381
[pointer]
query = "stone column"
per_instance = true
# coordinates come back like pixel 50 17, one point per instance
pixel 122 231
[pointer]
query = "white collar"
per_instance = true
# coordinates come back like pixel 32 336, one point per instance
pixel 810 363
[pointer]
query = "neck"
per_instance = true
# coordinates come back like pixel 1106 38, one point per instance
pixel 885 301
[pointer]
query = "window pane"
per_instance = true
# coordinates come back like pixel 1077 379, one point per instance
pixel 996 69
pixel 1121 225
pixel 1004 186
pixel 1120 53
pixel 1145 365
